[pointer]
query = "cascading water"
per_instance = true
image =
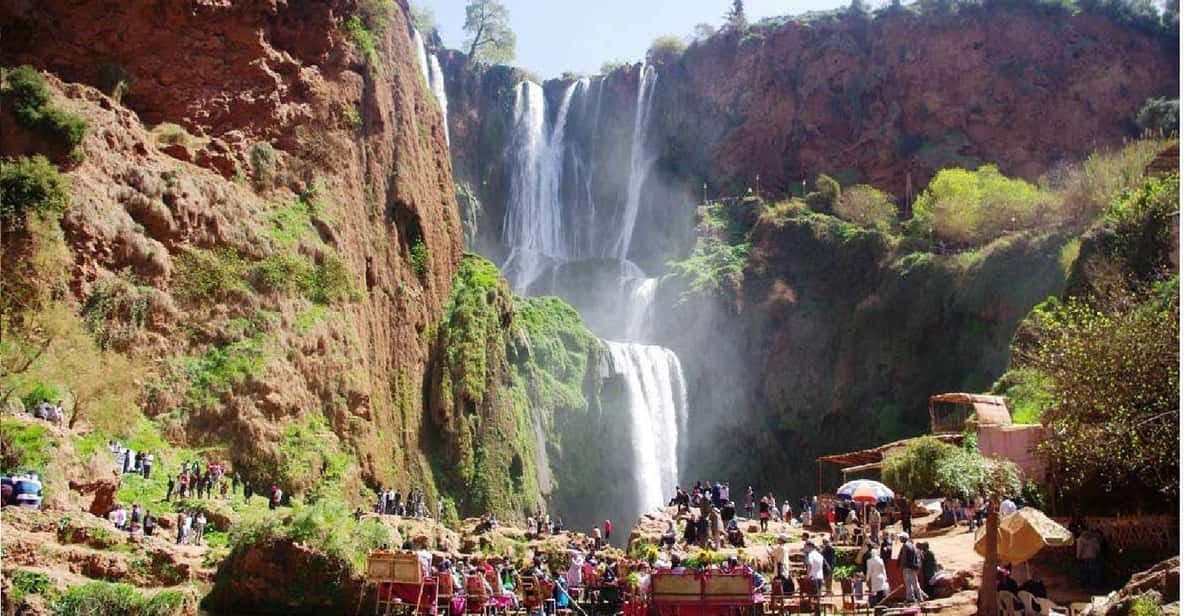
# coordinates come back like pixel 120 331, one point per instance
pixel 534 227
pixel 640 161
pixel 430 69
pixel 551 220
pixel 658 412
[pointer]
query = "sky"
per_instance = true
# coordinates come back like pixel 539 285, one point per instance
pixel 579 35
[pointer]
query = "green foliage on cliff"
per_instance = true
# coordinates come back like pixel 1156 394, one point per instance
pixel 31 186
pixel 363 39
pixel 24 91
pixel 1101 363
pixel 868 207
pixel 665 50
pixel 970 208
pixel 24 446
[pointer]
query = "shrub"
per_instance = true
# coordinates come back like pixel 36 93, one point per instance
pixel 208 275
pixel 31 186
pixel 24 446
pixel 419 258
pixel 107 599
pixel 971 208
pixel 328 282
pixel 113 81
pixel 665 50
pixel 826 196
pixel 362 38
pixel 712 264
pixel 280 273
pixel 610 66
pixel 25 89
pixel 351 117
pixel 867 207
pixel 28 583
pixel 1160 116
pixel 1087 189
pixel 168 133
pixel 263 165
pixel 38 392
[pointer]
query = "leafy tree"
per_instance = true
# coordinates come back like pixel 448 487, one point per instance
pixel 1115 386
pixel 735 17
pixel 1160 115
pixel 914 471
pixel 867 207
pixel 608 66
pixel 424 21
pixel 665 50
pixel 490 38
pixel 702 32
pixel 826 196
pixel 970 208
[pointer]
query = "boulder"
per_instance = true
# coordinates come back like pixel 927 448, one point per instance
pixel 103 490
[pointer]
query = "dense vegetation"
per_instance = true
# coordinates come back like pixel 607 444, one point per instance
pixel 1102 363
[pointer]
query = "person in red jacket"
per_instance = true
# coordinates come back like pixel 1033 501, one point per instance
pixel 608 530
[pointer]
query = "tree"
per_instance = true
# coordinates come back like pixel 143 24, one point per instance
pixel 424 20
pixel 914 471
pixel 826 196
pixel 665 50
pixel 867 207
pixel 702 32
pixel 971 208
pixel 735 18
pixel 858 8
pixel 968 474
pixel 490 38
pixel 1160 115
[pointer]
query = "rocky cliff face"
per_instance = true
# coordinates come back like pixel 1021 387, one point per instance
pixel 284 249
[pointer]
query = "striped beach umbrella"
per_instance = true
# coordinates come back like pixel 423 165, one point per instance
pixel 864 491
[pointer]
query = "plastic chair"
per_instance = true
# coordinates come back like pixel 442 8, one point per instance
pixel 850 602
pixel 1006 603
pixel 1027 602
pixel 477 600
pixel 1049 608
pixel 444 592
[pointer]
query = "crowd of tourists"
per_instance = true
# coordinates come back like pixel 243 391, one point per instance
pixel 390 501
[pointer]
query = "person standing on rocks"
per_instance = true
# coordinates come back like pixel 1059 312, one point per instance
pixel 763 512
pixel 608 530
pixel 149 524
pixel 169 491
pixel 199 528
pixel 182 519
pixel 749 504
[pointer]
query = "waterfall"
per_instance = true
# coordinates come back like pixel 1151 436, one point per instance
pixel 436 80
pixel 639 309
pixel 430 69
pixel 658 410
pixel 640 160
pixel 533 226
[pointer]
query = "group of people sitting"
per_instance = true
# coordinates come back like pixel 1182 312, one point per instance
pixel 53 413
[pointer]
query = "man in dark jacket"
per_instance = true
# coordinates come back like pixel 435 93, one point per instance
pixel 910 565
pixel 828 563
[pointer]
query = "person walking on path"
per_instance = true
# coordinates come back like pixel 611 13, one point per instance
pixel 910 564
pixel 828 553
pixel 814 567
pixel 877 576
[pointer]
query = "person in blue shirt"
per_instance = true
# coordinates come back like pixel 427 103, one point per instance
pixel 561 592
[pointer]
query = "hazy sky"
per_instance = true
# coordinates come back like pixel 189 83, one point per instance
pixel 578 35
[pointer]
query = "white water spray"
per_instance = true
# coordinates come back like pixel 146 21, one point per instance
pixel 533 227
pixel 430 69
pixel 658 409
pixel 640 161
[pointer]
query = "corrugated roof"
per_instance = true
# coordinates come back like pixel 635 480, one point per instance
pixel 989 410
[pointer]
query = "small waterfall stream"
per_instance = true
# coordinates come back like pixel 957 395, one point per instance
pixel 430 69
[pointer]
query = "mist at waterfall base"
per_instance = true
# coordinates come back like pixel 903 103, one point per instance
pixel 588 217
